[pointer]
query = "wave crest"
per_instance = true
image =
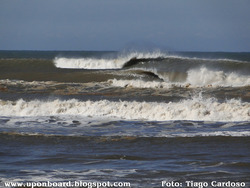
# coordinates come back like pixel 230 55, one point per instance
pixel 103 63
pixel 198 77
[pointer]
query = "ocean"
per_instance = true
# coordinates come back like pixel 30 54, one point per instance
pixel 151 119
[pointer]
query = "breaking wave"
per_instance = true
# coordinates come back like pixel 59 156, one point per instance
pixel 103 63
pixel 204 76
pixel 131 59
pixel 88 63
pixel 197 109
pixel 173 70
pixel 199 77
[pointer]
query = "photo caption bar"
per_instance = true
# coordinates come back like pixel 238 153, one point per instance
pixel 68 184
pixel 203 184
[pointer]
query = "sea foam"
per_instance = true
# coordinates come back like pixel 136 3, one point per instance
pixel 88 63
pixel 204 76
pixel 199 77
pixel 197 109
pixel 102 63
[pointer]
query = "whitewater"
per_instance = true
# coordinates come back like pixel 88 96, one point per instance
pixel 103 63
pixel 196 109
pixel 139 117
pixel 173 70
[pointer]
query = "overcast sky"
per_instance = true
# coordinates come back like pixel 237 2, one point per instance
pixel 190 25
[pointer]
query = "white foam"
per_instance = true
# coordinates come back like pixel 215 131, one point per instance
pixel 63 175
pixel 207 134
pixel 88 63
pixel 139 83
pixel 102 63
pixel 197 109
pixel 202 77
pixel 118 61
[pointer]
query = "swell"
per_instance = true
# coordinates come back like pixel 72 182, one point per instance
pixel 177 70
pixel 162 61
pixel 26 65
pixel 45 70
pixel 98 60
pixel 170 69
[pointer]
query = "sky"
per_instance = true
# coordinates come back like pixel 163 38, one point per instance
pixel 174 25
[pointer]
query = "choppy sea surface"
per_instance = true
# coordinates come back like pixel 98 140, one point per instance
pixel 138 117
